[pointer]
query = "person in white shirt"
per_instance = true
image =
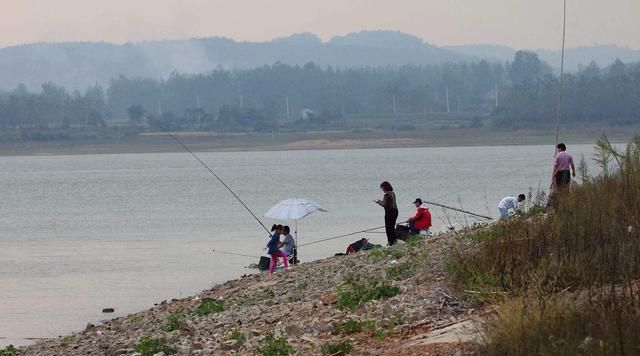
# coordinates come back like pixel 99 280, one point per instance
pixel 288 244
pixel 509 202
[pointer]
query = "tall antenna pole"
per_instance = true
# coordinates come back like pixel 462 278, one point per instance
pixel 564 27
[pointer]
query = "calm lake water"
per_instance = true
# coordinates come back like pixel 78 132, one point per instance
pixel 87 232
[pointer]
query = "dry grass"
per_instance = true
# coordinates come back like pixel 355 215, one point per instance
pixel 587 245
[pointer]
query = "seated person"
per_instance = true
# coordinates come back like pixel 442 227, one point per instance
pixel 422 219
pixel 288 244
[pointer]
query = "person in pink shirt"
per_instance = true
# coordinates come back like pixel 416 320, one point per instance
pixel 563 168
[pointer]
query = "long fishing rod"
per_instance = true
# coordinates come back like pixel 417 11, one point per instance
pixel 219 179
pixel 233 254
pixel 341 236
pixel 460 210
pixel 471 186
pixel 560 84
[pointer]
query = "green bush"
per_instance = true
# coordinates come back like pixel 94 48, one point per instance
pixel 148 346
pixel 414 241
pixel 359 290
pixel 351 326
pixel 174 321
pixel 265 294
pixel 481 284
pixel 208 306
pixel 272 346
pixel 236 335
pixel 336 349
pixel 380 254
pixel 9 351
pixel 401 269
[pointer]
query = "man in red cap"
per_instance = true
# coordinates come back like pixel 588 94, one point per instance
pixel 422 219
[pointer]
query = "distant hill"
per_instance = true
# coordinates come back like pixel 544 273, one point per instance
pixel 484 51
pixel 78 65
pixel 604 55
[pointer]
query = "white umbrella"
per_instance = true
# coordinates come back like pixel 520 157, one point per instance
pixel 293 209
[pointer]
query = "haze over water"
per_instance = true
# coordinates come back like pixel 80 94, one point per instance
pixel 81 233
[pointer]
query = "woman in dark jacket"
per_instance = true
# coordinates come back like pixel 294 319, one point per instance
pixel 388 202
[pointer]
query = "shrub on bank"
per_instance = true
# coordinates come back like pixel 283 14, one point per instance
pixel 275 346
pixel 587 247
pixel 149 346
pixel 355 291
pixel 563 325
pixel 9 351
pixel 208 306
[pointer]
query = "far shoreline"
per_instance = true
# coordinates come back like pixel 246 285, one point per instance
pixel 254 142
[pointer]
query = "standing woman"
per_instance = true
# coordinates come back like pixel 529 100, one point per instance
pixel 388 202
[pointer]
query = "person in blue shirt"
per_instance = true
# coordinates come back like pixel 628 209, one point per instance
pixel 273 247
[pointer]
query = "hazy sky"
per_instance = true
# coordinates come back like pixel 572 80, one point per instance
pixel 517 23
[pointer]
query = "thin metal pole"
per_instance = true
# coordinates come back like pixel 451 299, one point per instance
pixel 460 210
pixel 560 84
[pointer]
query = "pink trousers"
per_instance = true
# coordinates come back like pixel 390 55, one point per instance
pixel 274 260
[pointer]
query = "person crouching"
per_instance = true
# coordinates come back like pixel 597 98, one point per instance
pixel 509 202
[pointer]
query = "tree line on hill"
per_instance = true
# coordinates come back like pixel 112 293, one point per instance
pixel 519 93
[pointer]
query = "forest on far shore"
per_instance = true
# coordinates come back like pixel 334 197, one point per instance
pixel 521 93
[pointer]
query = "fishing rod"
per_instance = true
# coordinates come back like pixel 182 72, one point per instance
pixel 341 236
pixel 471 186
pixel 219 179
pixel 460 210
pixel 560 84
pixel 233 254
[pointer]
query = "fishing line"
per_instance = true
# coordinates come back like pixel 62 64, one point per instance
pixel 560 84
pixel 219 179
pixel 341 236
pixel 469 187
pixel 233 253
pixel 459 210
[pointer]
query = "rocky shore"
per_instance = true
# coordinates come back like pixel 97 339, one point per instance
pixel 389 301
